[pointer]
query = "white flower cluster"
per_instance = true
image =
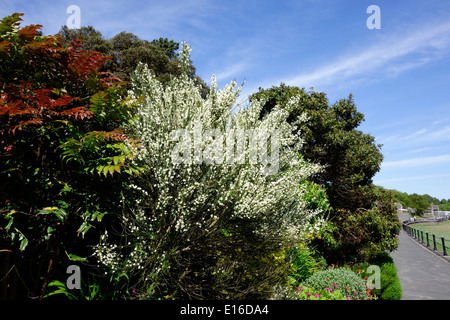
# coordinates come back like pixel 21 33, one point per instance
pixel 182 201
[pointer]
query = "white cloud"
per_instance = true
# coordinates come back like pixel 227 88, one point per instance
pixel 230 72
pixel 416 162
pixel 411 178
pixel 391 56
pixel 424 137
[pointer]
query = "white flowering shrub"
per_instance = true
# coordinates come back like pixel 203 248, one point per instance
pixel 220 198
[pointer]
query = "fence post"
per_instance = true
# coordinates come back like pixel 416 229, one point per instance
pixel 428 244
pixel 444 249
pixel 434 242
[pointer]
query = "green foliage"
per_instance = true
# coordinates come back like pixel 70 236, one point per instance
pixel 96 287
pixel 202 231
pixel 367 232
pixel 315 196
pixel 345 280
pixel 60 117
pixel 350 159
pixel 128 50
pixel 169 47
pixel 389 281
pixel 332 293
pixel 420 202
pixel 115 157
pixel 304 264
pixel 75 186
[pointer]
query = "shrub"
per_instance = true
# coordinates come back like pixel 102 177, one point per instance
pixel 343 279
pixel 390 283
pixel 61 119
pixel 211 228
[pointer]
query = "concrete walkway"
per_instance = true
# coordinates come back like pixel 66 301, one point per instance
pixel 423 275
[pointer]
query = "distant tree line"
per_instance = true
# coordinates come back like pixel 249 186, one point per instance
pixel 420 202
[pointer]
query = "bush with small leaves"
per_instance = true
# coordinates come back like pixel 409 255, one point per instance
pixel 344 279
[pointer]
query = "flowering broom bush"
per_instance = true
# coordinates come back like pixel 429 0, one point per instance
pixel 220 200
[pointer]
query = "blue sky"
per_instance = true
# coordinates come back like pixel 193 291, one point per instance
pixel 399 74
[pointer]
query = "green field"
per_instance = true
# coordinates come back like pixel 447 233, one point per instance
pixel 441 229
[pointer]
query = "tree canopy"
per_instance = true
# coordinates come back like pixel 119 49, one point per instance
pixel 128 50
pixel 350 159
pixel 160 187
pixel 62 150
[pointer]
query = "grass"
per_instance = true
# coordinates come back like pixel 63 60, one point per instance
pixel 441 229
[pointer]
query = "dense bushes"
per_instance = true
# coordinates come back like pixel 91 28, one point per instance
pixel 157 195
pixel 362 219
pixel 63 154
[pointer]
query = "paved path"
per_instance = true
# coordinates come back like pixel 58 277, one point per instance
pixel 423 275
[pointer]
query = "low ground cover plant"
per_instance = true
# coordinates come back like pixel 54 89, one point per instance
pixel 350 285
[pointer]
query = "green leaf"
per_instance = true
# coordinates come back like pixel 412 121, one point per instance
pixel 74 257
pixel 61 289
pixel 85 226
pixel 105 171
pixel 8 226
pixel 49 232
pixel 23 240
pixel 66 189
pixel 59 212
pixel 97 215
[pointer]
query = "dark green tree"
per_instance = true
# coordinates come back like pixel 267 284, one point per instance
pixel 419 202
pixel 350 159
pixel 170 47
pixel 127 50
pixel 62 155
